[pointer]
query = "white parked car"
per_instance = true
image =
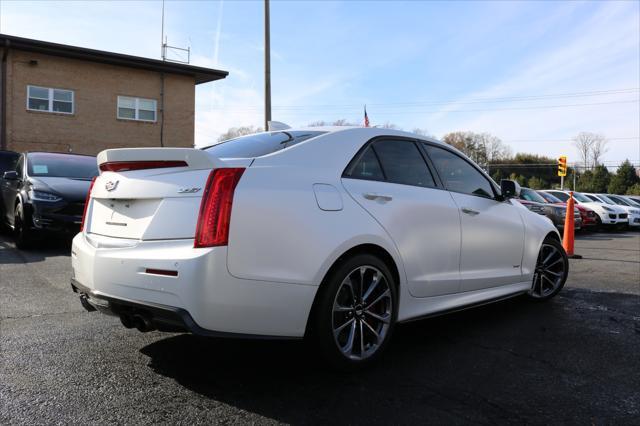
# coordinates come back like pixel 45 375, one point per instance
pixel 335 234
pixel 623 213
pixel 606 214
pixel 632 209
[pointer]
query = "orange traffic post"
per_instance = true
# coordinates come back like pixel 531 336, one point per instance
pixel 569 229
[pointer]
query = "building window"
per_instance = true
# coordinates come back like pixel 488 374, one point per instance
pixel 49 100
pixel 136 109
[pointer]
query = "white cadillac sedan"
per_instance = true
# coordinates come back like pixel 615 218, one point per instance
pixel 335 234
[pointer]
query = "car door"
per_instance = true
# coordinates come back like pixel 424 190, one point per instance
pixel 390 179
pixel 10 189
pixel 492 231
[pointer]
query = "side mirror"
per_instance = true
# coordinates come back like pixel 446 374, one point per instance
pixel 10 175
pixel 509 188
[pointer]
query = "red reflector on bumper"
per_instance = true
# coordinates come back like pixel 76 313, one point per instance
pixel 162 272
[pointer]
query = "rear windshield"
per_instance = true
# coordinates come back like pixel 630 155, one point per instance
pixel 40 164
pixel 260 144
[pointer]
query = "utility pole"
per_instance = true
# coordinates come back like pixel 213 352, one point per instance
pixel 267 67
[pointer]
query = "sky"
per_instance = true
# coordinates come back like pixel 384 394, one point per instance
pixel 533 74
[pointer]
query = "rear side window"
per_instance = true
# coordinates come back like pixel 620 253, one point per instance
pixel 402 163
pixel 367 167
pixel 592 198
pixel 457 174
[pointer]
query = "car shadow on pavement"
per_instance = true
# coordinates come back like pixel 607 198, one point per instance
pixel 45 248
pixel 492 364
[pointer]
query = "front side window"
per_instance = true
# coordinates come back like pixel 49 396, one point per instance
pixel 457 174
pixel 136 108
pixel 47 99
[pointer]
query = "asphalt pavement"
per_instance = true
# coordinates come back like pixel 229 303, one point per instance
pixel 571 360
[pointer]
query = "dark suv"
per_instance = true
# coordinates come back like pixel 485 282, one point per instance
pixel 554 211
pixel 45 191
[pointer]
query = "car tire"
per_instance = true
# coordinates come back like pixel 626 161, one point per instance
pixel 352 323
pixel 551 272
pixel 22 234
pixel 599 226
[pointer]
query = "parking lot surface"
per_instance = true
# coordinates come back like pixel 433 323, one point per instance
pixel 571 360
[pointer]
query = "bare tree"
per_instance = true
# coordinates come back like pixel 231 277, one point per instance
pixel 422 132
pixel 482 148
pixel 318 123
pixel 235 132
pixel 585 143
pixel 598 149
pixel 388 125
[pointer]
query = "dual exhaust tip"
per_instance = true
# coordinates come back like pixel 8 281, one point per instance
pixel 138 321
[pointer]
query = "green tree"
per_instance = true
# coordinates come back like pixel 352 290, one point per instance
pixel 536 183
pixel 634 189
pixel 624 178
pixel 585 182
pixel 522 181
pixel 600 179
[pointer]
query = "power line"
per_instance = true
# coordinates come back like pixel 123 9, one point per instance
pixel 384 113
pixel 562 140
pixel 449 102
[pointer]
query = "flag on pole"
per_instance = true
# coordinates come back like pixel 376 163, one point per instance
pixel 366 117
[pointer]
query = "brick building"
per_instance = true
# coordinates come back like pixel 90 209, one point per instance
pixel 56 97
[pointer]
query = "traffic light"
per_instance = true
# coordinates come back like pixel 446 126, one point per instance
pixel 562 166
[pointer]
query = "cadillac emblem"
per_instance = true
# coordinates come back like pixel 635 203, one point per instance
pixel 111 185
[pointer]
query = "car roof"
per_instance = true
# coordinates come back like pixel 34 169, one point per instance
pixel 374 131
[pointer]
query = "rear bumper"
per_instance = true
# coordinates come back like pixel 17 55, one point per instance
pixel 163 318
pixel 112 275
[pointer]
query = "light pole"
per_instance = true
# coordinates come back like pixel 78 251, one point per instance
pixel 267 67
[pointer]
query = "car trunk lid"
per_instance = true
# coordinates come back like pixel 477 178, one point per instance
pixel 150 193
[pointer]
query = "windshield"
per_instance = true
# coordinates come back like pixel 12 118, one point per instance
pixel 259 144
pixel 605 199
pixel 46 164
pixel 581 198
pixel 531 195
pixel 550 198
pixel 632 203
pixel 618 201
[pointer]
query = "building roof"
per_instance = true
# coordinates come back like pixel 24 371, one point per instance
pixel 200 74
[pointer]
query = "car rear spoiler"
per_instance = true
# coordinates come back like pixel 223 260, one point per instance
pixel 195 159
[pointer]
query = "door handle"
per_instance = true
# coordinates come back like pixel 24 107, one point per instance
pixel 374 196
pixel 471 212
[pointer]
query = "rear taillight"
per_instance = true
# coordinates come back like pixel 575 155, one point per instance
pixel 124 166
pixel 215 208
pixel 86 204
